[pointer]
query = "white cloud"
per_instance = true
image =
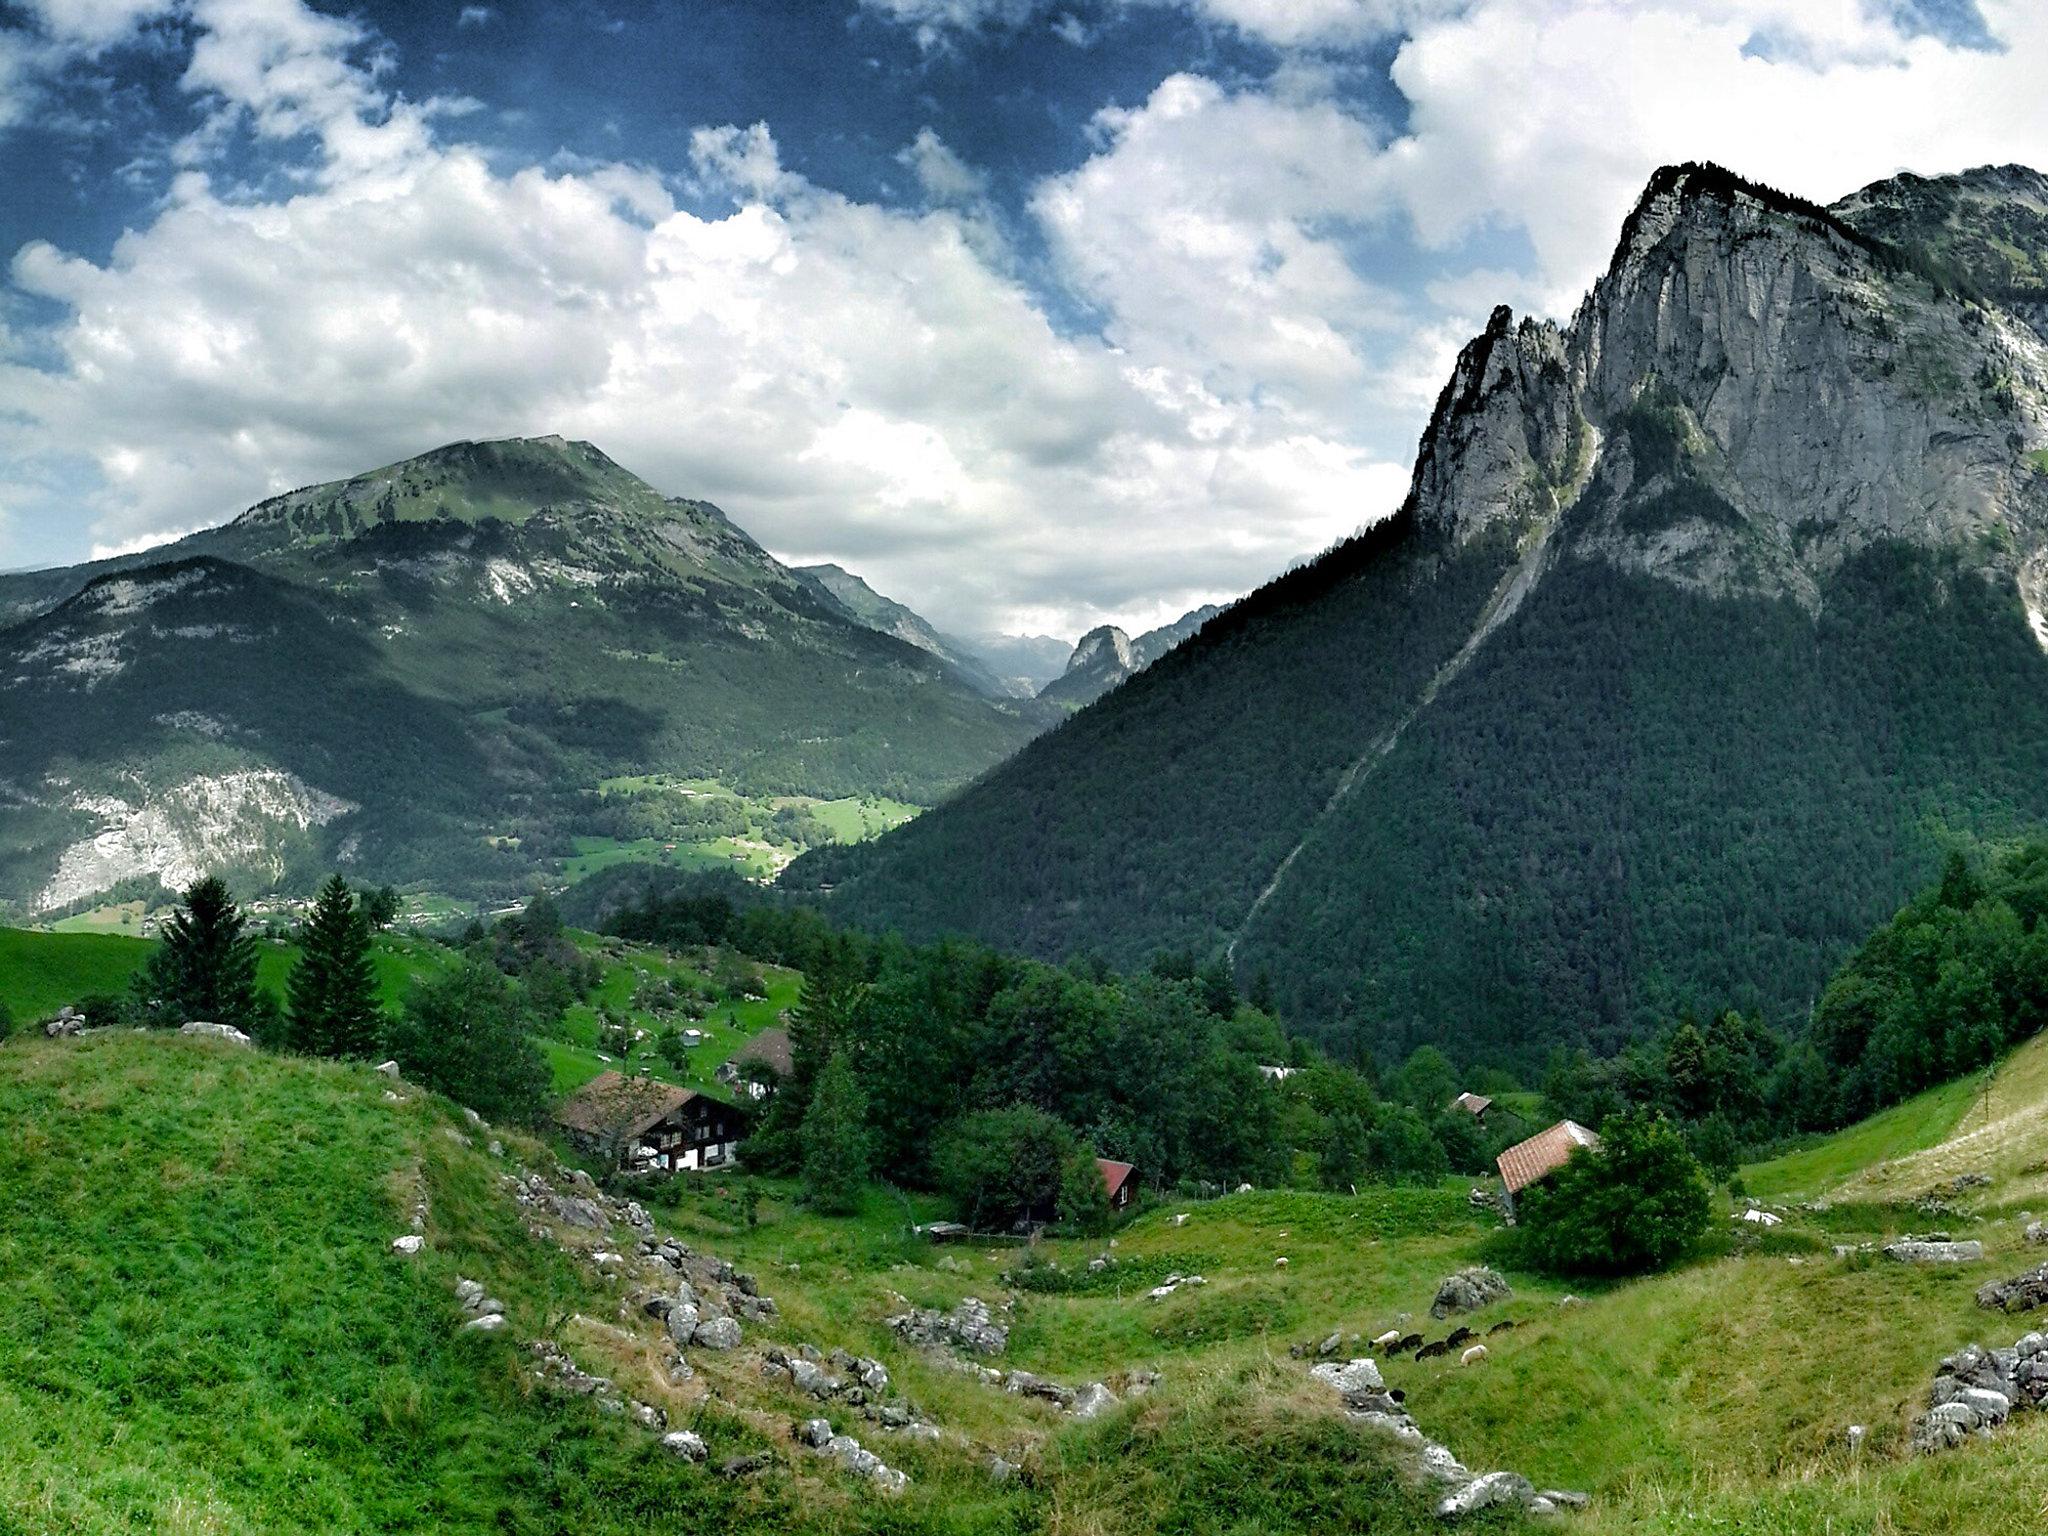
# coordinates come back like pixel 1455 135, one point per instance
pixel 475 16
pixel 1320 23
pixel 1549 115
pixel 93 24
pixel 945 177
pixel 850 381
pixel 1207 229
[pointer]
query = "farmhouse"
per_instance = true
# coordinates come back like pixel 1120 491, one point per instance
pixel 1474 1104
pixel 1532 1161
pixel 770 1049
pixel 1120 1180
pixel 647 1125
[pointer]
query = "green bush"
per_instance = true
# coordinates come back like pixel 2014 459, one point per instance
pixel 461 1035
pixel 1635 1203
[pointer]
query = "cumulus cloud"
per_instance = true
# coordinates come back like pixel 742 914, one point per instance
pixel 851 381
pixel 475 16
pixel 945 177
pixel 881 385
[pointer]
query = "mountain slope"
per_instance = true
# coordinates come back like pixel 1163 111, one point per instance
pixel 428 668
pixel 866 606
pixel 1708 620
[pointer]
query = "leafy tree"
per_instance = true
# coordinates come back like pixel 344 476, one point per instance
pixel 1401 1149
pixel 206 966
pixel 381 907
pixel 1633 1204
pixel 332 991
pixel 1000 1166
pixel 835 1141
pixel 1427 1080
pixel 1346 1151
pixel 1713 1143
pixel 1084 1198
pixel 461 1035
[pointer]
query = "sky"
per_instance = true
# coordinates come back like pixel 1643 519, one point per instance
pixel 1037 315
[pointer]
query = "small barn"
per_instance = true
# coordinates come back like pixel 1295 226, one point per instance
pixel 1120 1180
pixel 1474 1104
pixel 645 1125
pixel 1532 1161
pixel 769 1049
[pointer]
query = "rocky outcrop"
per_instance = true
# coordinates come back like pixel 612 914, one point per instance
pixel 968 1326
pixel 1367 1400
pixel 226 1032
pixel 1976 1390
pixel 1468 1291
pixel 1934 1251
pixel 2022 1293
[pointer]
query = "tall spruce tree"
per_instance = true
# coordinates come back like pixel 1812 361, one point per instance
pixel 835 1141
pixel 206 966
pixel 333 989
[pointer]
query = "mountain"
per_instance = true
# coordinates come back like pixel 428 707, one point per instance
pixel 1026 662
pixel 1710 621
pixel 1105 657
pixel 864 605
pixel 426 671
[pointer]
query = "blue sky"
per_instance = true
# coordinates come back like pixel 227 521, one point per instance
pixel 1036 314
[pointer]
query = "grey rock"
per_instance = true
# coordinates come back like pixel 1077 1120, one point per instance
pixel 1091 1400
pixel 490 1322
pixel 226 1032
pixel 1485 1492
pixel 968 1326
pixel 1912 1251
pixel 2022 1293
pixel 814 1432
pixel 745 1466
pixel 1468 1291
pixel 411 1243
pixel 1354 1381
pixel 684 1443
pixel 720 1333
pixel 681 1320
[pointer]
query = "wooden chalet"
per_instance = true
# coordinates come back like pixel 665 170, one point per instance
pixel 645 1125
pixel 1474 1104
pixel 1120 1180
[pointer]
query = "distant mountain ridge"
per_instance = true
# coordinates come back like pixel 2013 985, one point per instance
pixel 867 606
pixel 1106 657
pixel 423 672
pixel 1711 619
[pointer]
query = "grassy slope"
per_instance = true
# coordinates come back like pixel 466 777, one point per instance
pixel 42 972
pixel 206 1331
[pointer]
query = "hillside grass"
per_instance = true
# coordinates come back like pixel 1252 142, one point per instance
pixel 42 972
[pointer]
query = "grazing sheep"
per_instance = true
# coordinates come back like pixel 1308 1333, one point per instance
pixel 1473 1355
pixel 1387 1340
pixel 1458 1336
pixel 1409 1341
pixel 1502 1326
pixel 1431 1351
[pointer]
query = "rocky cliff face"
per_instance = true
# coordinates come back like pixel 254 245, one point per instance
pixel 1755 391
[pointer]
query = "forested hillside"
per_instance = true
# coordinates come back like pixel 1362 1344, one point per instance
pixel 1674 676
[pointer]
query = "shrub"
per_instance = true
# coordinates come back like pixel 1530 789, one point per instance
pixel 1000 1166
pixel 460 1034
pixel 1635 1203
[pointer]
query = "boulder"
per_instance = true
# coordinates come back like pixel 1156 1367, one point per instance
pixel 717 1333
pixel 226 1032
pixel 814 1432
pixel 411 1243
pixel 490 1322
pixel 2037 1232
pixel 968 1326
pixel 1467 1291
pixel 682 1320
pixel 1091 1400
pixel 1917 1251
pixel 388 1068
pixel 1353 1380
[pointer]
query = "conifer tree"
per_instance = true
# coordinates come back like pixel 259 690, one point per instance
pixel 835 1141
pixel 333 989
pixel 205 968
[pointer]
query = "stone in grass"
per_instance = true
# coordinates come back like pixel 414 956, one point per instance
pixel 1494 1488
pixel 717 1333
pixel 490 1322
pixel 1467 1291
pixel 684 1443
pixel 412 1242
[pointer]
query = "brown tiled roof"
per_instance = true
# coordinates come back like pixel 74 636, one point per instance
pixel 1472 1103
pixel 1542 1154
pixel 1114 1174
pixel 770 1048
pixel 612 1104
